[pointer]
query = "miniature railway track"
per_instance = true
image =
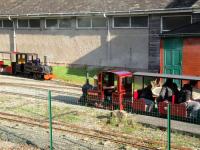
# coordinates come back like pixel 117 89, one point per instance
pixel 126 140
pixel 61 83
pixel 33 88
pixel 42 87
pixel 122 139
pixel 118 138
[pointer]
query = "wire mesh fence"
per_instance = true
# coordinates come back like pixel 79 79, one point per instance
pixel 92 121
pixel 22 113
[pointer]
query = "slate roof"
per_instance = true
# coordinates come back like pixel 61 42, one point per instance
pixel 22 7
pixel 184 31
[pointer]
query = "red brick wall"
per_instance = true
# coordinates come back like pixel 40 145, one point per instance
pixel 191 57
pixel 161 55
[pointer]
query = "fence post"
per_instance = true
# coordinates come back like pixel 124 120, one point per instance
pixel 169 127
pixel 50 120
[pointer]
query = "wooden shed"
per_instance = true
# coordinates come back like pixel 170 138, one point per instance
pixel 180 50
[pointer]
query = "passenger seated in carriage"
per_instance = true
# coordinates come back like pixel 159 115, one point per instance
pixel 169 89
pixel 108 87
pixel 193 106
pixel 147 95
pixel 166 92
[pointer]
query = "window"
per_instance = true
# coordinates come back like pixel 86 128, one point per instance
pixel 87 22
pixel 22 23
pixel 126 81
pixel 122 22
pixel 34 23
pixel 1 23
pixel 169 23
pixel 139 21
pixel 51 23
pixel 28 23
pixel 84 22
pixel 133 21
pixel 58 23
pixel 7 23
pixel 64 23
pixel 98 22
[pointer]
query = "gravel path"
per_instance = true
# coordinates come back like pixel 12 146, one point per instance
pixel 6 145
pixel 38 138
pixel 51 85
pixel 64 111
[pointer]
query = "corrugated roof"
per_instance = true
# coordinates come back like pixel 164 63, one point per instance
pixel 9 7
pixel 184 31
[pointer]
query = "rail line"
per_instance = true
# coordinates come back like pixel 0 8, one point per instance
pixel 43 87
pixel 122 139
pixel 116 138
pixel 18 78
pixel 34 88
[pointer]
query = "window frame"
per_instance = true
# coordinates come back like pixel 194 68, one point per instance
pixel 62 28
pixel 57 27
pixel 22 27
pixel 113 22
pixel 34 27
pixel 99 27
pixel 1 23
pixel 140 16
pixel 29 27
pixel 167 16
pixel 130 25
pixel 91 23
pixel 3 27
pixel 77 27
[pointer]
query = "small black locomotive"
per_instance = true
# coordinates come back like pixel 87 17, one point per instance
pixel 28 64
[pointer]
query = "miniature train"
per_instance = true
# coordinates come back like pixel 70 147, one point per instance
pixel 27 64
pixel 114 90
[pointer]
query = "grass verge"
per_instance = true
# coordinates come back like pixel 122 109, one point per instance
pixel 73 75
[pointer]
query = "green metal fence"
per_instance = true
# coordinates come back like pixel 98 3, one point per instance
pixel 57 118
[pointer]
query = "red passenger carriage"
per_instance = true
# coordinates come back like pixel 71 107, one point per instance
pixel 177 110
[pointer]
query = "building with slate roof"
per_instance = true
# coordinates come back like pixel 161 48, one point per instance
pixel 115 33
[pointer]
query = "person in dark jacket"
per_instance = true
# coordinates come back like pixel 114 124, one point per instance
pixel 166 91
pixel 176 92
pixel 87 86
pixel 147 95
pixel 37 61
pixel 193 107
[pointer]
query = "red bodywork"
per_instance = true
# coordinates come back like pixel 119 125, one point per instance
pixel 116 84
pixel 138 104
pixel 177 110
pixel 5 68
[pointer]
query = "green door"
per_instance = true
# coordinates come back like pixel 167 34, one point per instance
pixel 173 56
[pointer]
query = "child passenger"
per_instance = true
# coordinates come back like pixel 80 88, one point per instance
pixel 147 95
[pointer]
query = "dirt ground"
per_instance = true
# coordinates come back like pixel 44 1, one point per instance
pixel 6 145
pixel 70 113
pixel 82 116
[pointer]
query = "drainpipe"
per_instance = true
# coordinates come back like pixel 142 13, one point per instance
pixel 14 35
pixel 108 40
pixel 14 38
